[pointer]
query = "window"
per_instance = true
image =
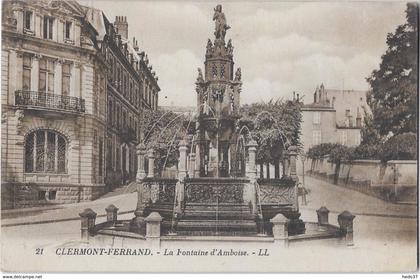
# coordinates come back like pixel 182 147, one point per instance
pixel 316 137
pixel 317 118
pixel 66 79
pixel 41 195
pixel 344 137
pixel 214 70
pixel 110 112
pixel 118 161
pixel 150 97
pixel 68 30
pixel 28 22
pixel 101 145
pixel 45 151
pixel 109 155
pixel 52 195
pixel 46 75
pixel 26 72
pixel 358 139
pixel 48 27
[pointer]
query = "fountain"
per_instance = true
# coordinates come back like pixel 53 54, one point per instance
pixel 219 194
pixel 216 193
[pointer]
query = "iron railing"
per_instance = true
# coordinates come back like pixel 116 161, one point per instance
pixel 49 101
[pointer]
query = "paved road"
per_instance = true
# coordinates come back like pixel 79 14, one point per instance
pixel 337 198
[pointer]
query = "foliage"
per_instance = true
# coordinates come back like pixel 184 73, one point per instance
pixel 393 95
pixel 367 152
pixel 321 150
pixel 400 147
pixel 369 134
pixel 162 133
pixel 341 153
pixel 275 126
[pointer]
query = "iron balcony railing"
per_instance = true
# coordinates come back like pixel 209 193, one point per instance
pixel 49 101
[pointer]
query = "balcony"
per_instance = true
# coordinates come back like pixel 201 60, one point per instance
pixel 42 100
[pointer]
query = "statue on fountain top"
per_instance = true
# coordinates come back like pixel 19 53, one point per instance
pixel 221 26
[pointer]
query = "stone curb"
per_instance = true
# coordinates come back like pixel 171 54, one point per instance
pixel 369 214
pixel 57 220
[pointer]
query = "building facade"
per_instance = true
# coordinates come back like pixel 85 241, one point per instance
pixel 56 120
pixel 132 88
pixel 335 116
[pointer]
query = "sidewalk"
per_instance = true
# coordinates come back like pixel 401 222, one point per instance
pixel 125 202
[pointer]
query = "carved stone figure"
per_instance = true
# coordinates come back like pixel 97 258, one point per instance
pixel 220 20
pixel 230 47
pixel 209 46
pixel 238 75
pixel 200 76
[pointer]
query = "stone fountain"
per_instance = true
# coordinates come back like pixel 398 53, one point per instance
pixel 217 192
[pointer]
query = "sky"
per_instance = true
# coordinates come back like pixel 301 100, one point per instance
pixel 281 47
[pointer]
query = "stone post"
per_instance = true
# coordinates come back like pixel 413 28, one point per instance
pixel 322 213
pixel 251 171
pixel 151 157
pixel 345 220
pixel 138 221
pixel 292 160
pixel 153 222
pixel 141 152
pixel 182 163
pixel 191 172
pixel 285 164
pixel 197 159
pixel 280 230
pixel 87 219
pixel 111 213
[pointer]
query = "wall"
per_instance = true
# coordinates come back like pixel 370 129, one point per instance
pixel 393 181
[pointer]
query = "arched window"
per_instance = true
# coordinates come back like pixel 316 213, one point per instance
pixel 45 151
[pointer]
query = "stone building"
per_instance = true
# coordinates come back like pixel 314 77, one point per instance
pixel 55 110
pixel 132 88
pixel 335 116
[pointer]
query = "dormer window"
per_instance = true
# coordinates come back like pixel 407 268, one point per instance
pixel 68 32
pixel 48 27
pixel 28 26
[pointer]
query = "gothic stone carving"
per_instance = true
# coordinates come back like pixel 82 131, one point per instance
pixel 281 194
pixel 213 193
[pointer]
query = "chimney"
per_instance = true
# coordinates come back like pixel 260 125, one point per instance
pixel 121 26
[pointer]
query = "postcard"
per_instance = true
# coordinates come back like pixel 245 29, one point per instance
pixel 182 136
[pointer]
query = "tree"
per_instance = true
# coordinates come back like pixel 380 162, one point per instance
pixel 275 126
pixel 393 95
pixel 162 132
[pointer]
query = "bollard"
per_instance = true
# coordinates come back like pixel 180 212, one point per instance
pixel 322 213
pixel 87 218
pixel 153 225
pixel 280 229
pixel 153 222
pixel 345 220
pixel 111 213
